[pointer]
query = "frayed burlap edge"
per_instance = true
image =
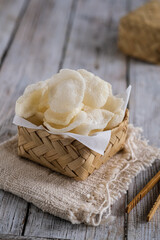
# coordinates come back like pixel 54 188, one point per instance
pixel 92 206
pixel 136 156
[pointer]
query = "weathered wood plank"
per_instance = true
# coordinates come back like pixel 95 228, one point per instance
pixel 45 225
pixel 10 14
pixel 14 237
pixel 35 54
pixel 38 45
pixel 12 213
pixel 102 59
pixel 145 99
pixel 144 111
pixel 96 51
pixel 138 227
pixel 93 41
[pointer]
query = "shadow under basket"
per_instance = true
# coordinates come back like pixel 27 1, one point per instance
pixel 66 155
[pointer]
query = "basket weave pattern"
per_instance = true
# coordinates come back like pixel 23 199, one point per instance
pixel 67 155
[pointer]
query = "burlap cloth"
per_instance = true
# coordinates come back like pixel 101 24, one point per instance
pixel 86 202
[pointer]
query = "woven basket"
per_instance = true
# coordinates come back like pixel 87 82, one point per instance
pixel 67 155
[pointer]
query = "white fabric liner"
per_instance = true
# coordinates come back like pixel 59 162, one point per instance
pixel 97 142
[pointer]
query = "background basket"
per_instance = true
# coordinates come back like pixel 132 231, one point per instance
pixel 67 155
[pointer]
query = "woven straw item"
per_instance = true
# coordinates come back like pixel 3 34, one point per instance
pixel 67 155
pixel 139 32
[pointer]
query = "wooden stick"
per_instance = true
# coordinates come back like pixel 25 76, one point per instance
pixel 143 192
pixel 153 209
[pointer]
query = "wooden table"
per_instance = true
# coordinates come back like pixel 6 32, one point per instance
pixel 39 37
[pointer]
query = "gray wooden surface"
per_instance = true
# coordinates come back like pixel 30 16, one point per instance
pixel 37 38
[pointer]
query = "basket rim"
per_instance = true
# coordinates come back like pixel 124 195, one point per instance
pixel 61 136
pixel 68 157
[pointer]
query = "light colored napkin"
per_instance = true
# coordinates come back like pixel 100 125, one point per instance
pixel 86 202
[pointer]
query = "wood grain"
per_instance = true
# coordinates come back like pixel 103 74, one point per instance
pixel 96 51
pixel 10 15
pixel 34 54
pixel 38 45
pixel 144 112
pixel 93 41
pixel 143 192
pixel 14 237
pixel 153 209
pixel 138 228
pixel 75 34
pixel 12 213
pixel 12 209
